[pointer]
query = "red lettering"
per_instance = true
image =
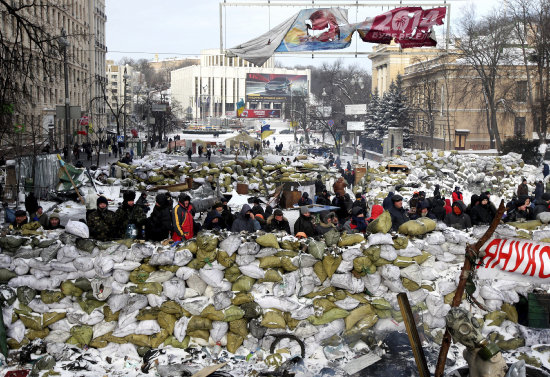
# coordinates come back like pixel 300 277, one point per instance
pixel 531 267
pixel 521 256
pixel 489 255
pixel 545 250
pixel 505 255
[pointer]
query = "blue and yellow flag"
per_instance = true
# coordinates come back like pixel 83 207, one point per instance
pixel 266 131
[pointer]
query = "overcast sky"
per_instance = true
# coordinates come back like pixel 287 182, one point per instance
pixel 180 28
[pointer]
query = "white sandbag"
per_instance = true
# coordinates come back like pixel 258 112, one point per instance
pixel 222 300
pixel 253 270
pixel 83 263
pixel 148 327
pixel 155 301
pixel 174 289
pixel 218 331
pixel 77 228
pixel 103 328
pixel 20 266
pixel 211 276
pixel 231 244
pixel 333 328
pixel 195 305
pixel 118 302
pixel 162 258
pixel 57 336
pixel 182 257
pixel 281 303
pixel 102 288
pixel 121 276
pixel 95 317
pixel 126 265
pixel 390 272
pixel 16 331
pixel 159 276
pixel 410 251
pixel 544 217
pixel 185 273
pixel 388 252
pixel 380 239
pixel 445 287
pixel 180 328
pixel 249 248
pixel 351 253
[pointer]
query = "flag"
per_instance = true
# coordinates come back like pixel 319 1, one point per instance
pixel 266 131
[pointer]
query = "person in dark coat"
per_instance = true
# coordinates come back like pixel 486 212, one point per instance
pixel 523 189
pixel 545 170
pixel 277 222
pixel 482 214
pixel 387 203
pixel 31 203
pixel 543 204
pixel 214 218
pixel 129 213
pixel 397 212
pixel 304 223
pixel 539 190
pixel 304 200
pixel 319 185
pixel 458 219
pixel 360 203
pixel 257 208
pixel 323 198
pixel 159 225
pixel 227 216
pixel 245 221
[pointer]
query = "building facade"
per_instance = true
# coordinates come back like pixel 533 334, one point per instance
pixel 215 86
pixel 84 24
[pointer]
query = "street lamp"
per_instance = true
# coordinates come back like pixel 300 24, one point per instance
pixel 63 45
pixel 125 78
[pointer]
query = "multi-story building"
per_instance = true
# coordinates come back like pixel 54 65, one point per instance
pixel 84 24
pixel 215 86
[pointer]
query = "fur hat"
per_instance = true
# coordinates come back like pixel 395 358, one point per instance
pixel 129 196
pixel 102 199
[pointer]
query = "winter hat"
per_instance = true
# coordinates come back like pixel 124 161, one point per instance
pixel 356 211
pixel 546 196
pixel 55 215
pixel 20 212
pixel 304 210
pixel 129 196
pixel 396 198
pixel 277 212
pixel 160 199
pixel 102 199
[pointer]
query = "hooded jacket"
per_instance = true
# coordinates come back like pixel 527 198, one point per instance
pixel 272 224
pixel 244 222
pixel 461 221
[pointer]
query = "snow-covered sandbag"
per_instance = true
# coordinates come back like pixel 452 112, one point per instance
pixel 174 289
pixel 253 270
pixel 219 330
pixel 159 276
pixel 180 328
pixel 162 259
pixel 77 228
pixel 211 276
pixel 147 327
pixel 83 263
pixel 380 239
pixel 121 276
pixel 281 303
pixel 182 257
pixel 231 244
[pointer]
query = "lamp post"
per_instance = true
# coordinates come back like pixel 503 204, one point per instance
pixel 125 79
pixel 63 44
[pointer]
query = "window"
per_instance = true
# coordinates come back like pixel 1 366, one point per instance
pixel 519 126
pixel 521 91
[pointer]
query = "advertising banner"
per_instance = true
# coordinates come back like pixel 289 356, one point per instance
pixel 266 87
pixel 256 113
pixel 515 259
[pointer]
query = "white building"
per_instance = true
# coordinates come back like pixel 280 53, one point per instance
pixel 214 87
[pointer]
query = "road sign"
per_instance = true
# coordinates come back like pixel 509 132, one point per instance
pixel 358 109
pixel 356 126
pixel 330 123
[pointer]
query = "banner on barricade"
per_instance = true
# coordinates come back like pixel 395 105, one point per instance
pixel 515 259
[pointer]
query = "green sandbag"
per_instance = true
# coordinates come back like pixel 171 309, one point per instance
pixel 317 248
pixel 233 313
pixel 417 227
pixel 268 240
pixel 243 284
pixel 382 224
pixel 350 239
pixel 332 237
pixel 527 225
pixel 207 242
pixel 6 275
pixel 329 316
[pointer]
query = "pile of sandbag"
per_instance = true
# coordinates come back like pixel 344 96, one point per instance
pixel 232 290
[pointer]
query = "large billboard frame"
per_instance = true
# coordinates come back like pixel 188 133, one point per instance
pixel 275 87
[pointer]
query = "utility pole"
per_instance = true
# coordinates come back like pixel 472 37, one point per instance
pixel 64 43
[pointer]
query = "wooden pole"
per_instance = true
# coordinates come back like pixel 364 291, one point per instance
pixel 471 255
pixel 412 332
pixel 70 178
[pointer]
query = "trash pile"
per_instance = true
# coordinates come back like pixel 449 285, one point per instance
pixel 262 295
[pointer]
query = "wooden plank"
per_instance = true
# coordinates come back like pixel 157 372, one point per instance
pixel 209 370
pixel 412 332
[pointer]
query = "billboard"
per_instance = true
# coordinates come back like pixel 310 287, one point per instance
pixel 254 113
pixel 272 87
